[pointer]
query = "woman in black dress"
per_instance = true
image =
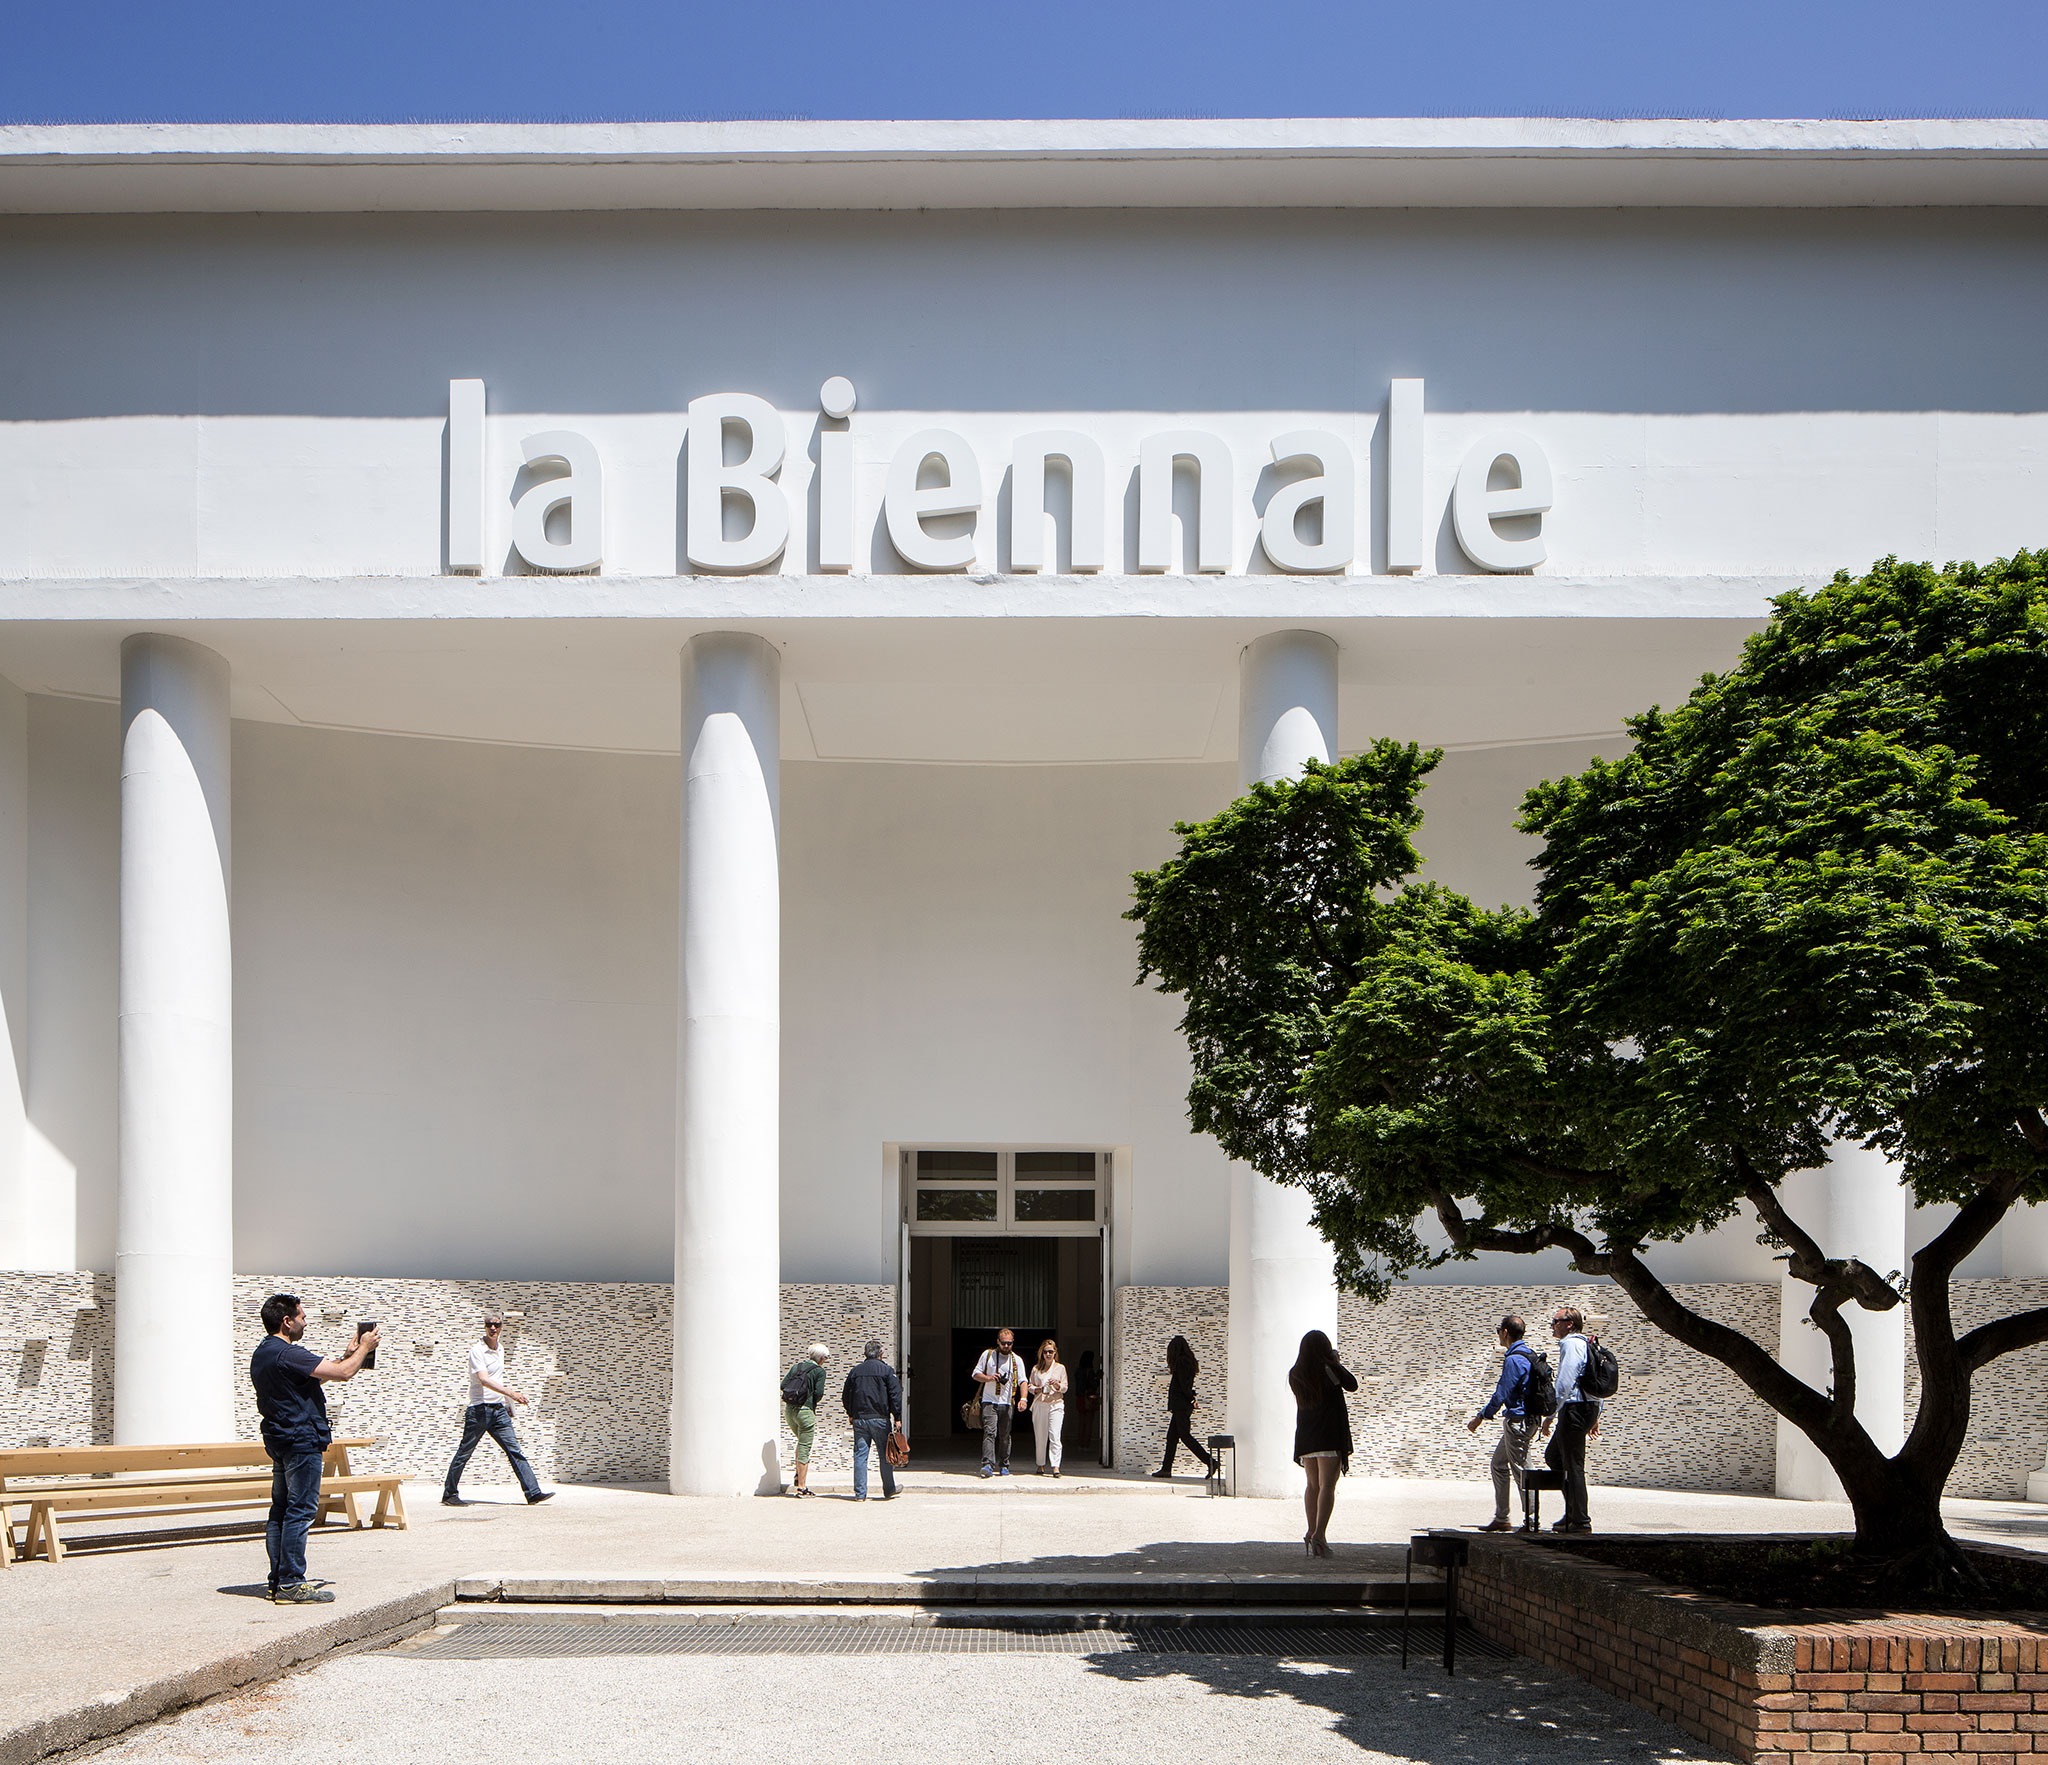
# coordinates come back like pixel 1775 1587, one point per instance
pixel 1181 1368
pixel 1322 1431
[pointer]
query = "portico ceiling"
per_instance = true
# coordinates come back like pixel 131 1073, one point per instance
pixel 959 690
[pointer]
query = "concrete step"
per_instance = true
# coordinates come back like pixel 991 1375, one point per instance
pixel 1107 1591
pixel 544 1612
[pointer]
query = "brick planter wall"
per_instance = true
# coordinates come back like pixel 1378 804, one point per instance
pixel 1769 1687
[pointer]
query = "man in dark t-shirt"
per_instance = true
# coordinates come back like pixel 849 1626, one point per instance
pixel 288 1378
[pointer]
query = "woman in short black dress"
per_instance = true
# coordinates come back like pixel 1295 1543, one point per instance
pixel 1181 1368
pixel 1322 1431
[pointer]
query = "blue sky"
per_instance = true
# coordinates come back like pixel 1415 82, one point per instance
pixel 392 60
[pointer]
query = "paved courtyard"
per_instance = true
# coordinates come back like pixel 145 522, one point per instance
pixel 108 1630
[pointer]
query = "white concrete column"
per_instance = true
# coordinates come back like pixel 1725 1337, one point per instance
pixel 1854 1206
pixel 20 1241
pixel 2023 1243
pixel 724 1416
pixel 174 1237
pixel 1282 1279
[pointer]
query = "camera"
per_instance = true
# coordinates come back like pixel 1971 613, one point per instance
pixel 363 1329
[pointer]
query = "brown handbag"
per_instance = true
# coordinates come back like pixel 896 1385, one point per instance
pixel 898 1448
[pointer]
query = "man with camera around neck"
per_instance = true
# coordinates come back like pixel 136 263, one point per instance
pixel 288 1377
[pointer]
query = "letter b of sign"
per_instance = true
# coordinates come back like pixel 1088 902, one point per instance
pixel 715 485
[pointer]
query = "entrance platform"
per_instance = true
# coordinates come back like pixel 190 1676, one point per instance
pixel 131 1627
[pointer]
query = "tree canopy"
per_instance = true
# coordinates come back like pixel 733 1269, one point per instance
pixel 1810 904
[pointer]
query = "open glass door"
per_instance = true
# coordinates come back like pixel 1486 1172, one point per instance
pixel 1105 1402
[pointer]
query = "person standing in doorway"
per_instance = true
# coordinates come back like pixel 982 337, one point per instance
pixel 1000 1374
pixel 287 1377
pixel 1181 1368
pixel 1322 1431
pixel 803 1390
pixel 489 1412
pixel 1577 1416
pixel 1510 1402
pixel 873 1396
pixel 1047 1383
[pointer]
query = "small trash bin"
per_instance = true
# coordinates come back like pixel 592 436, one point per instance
pixel 1223 1453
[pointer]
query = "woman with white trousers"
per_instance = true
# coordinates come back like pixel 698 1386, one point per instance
pixel 1048 1381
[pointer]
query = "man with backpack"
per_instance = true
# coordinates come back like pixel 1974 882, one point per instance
pixel 1523 1397
pixel 803 1389
pixel 1585 1374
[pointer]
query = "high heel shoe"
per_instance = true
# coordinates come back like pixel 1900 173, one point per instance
pixel 1308 1544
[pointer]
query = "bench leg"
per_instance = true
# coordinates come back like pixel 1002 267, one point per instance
pixel 390 1505
pixel 6 1538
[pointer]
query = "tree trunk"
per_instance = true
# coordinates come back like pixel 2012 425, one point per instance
pixel 1900 1534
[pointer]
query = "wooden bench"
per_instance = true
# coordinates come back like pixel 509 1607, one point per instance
pixel 132 1482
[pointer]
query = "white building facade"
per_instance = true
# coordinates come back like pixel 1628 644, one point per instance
pixel 577 705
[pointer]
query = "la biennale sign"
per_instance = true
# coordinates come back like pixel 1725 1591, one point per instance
pixel 937 488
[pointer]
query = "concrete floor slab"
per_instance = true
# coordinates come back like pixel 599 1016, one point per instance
pixel 128 1628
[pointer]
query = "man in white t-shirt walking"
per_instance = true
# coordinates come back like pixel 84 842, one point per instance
pixel 489 1413
pixel 1000 1375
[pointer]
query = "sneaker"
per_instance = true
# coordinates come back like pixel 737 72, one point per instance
pixel 538 1496
pixel 456 1501
pixel 987 1471
pixel 1005 1471
pixel 303 1594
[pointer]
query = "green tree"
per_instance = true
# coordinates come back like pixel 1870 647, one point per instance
pixel 1809 905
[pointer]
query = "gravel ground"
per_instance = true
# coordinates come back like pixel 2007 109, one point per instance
pixel 389 1709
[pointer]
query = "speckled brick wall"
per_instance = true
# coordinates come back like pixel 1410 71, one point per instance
pixel 1429 1357
pixel 2008 1400
pixel 1147 1318
pixel 595 1359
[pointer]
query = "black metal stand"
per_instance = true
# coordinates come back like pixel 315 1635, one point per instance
pixel 1446 1552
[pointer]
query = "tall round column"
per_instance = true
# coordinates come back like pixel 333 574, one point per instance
pixel 724 1417
pixel 1282 1279
pixel 174 1236
pixel 1853 1206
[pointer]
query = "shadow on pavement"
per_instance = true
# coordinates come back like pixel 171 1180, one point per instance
pixel 1499 1712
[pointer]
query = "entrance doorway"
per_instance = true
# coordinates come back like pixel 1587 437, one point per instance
pixel 992 1237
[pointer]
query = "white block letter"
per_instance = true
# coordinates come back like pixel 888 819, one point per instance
pixel 1214 468
pixel 906 506
pixel 1475 508
pixel 1407 542
pixel 835 497
pixel 750 480
pixel 581 492
pixel 466 477
pixel 1334 488
pixel 1027 499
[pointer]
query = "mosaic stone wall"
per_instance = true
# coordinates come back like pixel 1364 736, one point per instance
pixel 1429 1357
pixel 1147 1318
pixel 56 1359
pixel 843 1318
pixel 2008 1400
pixel 595 1359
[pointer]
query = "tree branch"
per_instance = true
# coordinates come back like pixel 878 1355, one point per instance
pixel 1987 1342
pixel 1840 1277
pixel 1826 1311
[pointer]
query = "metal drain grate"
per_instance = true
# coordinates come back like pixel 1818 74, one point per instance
pixel 486 1641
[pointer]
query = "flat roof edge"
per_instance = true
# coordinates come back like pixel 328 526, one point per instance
pixel 1374 162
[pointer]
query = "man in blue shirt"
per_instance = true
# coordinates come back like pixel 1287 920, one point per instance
pixel 1577 1416
pixel 288 1378
pixel 1510 1402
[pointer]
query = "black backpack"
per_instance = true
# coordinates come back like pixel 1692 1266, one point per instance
pixel 1539 1395
pixel 796 1387
pixel 1602 1377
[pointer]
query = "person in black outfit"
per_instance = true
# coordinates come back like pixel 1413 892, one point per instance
pixel 873 1396
pixel 1181 1368
pixel 1322 1431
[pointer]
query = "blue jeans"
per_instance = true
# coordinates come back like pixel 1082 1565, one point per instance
pixel 495 1420
pixel 294 1500
pixel 871 1431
